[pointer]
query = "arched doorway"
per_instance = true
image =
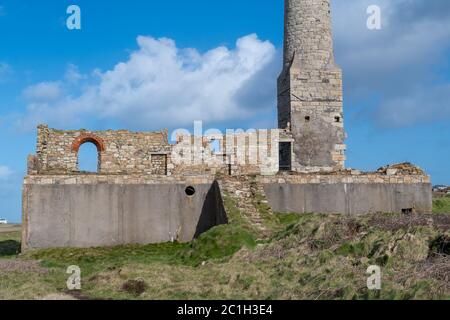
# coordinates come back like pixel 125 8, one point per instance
pixel 88 158
pixel 88 149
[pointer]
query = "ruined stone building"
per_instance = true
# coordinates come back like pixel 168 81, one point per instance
pixel 148 190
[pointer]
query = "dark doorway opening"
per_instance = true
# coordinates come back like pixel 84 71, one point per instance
pixel 408 211
pixel 285 156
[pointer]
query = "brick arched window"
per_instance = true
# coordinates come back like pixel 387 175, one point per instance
pixel 89 138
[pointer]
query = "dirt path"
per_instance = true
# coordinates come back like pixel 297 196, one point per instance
pixel 24 266
pixel 7 228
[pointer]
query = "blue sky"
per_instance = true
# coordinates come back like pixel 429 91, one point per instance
pixel 146 65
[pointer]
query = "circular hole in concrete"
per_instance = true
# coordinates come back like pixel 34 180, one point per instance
pixel 190 191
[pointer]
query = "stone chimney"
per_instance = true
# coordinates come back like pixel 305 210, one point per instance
pixel 310 88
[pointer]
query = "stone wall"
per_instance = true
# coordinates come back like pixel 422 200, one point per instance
pixel 150 153
pixel 120 152
pixel 250 152
pixel 129 179
pixel 346 177
pixel 308 33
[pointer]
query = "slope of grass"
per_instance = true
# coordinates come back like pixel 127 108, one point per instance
pixel 308 256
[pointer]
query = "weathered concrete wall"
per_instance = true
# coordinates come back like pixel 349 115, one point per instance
pixel 107 210
pixel 349 198
pixel 102 214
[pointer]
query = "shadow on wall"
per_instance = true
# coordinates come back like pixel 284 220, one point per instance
pixel 213 211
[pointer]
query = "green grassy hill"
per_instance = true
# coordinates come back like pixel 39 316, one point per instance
pixel 298 257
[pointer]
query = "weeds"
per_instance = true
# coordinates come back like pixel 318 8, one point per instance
pixel 441 204
pixel 308 256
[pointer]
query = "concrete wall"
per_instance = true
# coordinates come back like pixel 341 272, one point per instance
pixel 91 215
pixel 349 198
pixel 95 210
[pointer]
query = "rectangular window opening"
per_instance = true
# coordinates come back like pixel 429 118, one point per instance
pixel 285 156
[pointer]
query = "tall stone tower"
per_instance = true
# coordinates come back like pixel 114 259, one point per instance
pixel 310 104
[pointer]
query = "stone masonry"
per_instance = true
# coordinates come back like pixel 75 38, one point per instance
pixel 119 151
pixel 310 102
pixel 150 153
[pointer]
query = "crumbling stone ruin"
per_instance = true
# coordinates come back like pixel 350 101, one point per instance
pixel 150 153
pixel 149 190
pixel 119 152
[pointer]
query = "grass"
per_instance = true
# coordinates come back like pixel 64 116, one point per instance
pixel 441 204
pixel 308 256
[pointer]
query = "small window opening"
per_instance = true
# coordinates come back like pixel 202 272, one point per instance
pixel 307 118
pixel 88 158
pixel 190 191
pixel 407 211
pixel 337 119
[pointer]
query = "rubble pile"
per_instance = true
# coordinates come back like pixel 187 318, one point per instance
pixel 405 168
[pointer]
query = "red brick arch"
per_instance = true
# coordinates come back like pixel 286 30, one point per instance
pixel 88 138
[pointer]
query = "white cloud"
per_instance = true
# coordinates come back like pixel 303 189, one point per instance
pixel 73 74
pixel 5 172
pixel 162 85
pixel 397 63
pixel 44 91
